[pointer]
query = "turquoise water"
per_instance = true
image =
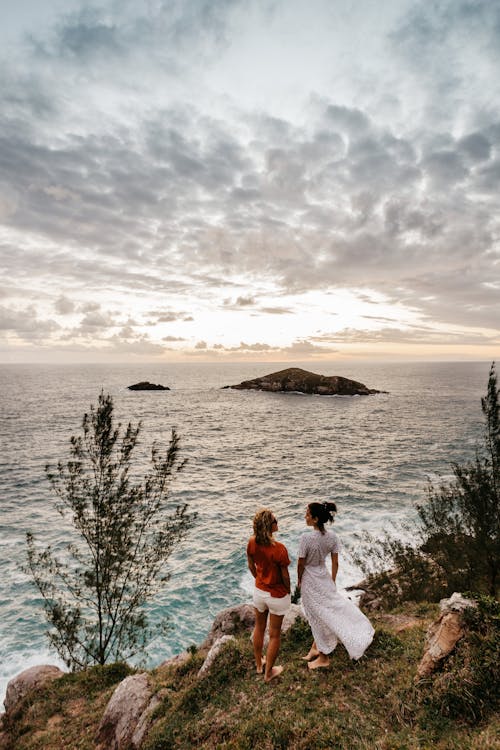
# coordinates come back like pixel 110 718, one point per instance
pixel 372 455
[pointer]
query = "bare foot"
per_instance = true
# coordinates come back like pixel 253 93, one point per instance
pixel 311 655
pixel 321 661
pixel 262 665
pixel 275 672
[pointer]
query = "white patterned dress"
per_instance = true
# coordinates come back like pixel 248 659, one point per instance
pixel 332 617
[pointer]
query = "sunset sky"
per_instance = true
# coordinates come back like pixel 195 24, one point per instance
pixel 264 180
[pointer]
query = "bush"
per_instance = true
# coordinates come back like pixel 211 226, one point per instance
pixel 456 539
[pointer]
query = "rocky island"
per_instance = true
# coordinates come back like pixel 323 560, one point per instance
pixel 146 386
pixel 302 381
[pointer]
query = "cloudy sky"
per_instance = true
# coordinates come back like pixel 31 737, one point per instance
pixel 261 180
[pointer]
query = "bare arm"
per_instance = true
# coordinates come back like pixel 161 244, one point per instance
pixel 251 565
pixel 301 564
pixel 285 577
pixel 335 565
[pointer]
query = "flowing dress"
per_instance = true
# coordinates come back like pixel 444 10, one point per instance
pixel 332 617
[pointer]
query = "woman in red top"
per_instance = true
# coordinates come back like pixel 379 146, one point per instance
pixel 268 562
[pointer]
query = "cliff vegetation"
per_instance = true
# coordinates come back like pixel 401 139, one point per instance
pixel 376 703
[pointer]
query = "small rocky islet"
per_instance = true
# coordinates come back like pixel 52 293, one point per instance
pixel 294 379
pixel 145 385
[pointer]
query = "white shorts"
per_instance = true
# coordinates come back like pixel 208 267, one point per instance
pixel 263 600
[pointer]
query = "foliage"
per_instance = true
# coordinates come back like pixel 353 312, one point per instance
pixel 456 538
pixel 468 688
pixel 295 598
pixel 397 571
pixel 95 591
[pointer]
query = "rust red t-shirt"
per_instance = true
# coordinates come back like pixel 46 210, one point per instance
pixel 268 561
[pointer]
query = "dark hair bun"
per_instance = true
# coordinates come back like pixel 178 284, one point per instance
pixel 324 512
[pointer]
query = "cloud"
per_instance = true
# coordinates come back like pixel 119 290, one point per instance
pixel 243 347
pixel 26 324
pixel 96 320
pixel 305 348
pixel 412 335
pixel 167 318
pixel 140 346
pixel 196 189
pixel 240 302
pixel 300 349
pixel 275 310
pixel 475 146
pixel 64 306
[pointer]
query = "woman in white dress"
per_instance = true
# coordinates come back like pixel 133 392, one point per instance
pixel 332 617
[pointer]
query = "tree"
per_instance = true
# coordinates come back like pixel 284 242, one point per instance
pixel 94 592
pixel 457 534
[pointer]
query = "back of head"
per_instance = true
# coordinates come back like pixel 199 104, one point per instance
pixel 263 527
pixel 324 513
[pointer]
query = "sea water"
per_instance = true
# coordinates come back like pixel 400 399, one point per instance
pixel 372 455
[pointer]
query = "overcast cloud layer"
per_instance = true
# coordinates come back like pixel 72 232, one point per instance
pixel 261 180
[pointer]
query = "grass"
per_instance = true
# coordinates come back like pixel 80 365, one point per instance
pixel 63 713
pixel 373 704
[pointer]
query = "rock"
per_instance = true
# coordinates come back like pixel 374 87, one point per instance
pixel 242 617
pixel 176 660
pixel 293 613
pixel 146 718
pixel 456 603
pixel 444 633
pixel 26 681
pixel 214 651
pixel 146 386
pixel 368 599
pixel 230 621
pixel 302 381
pixel 124 713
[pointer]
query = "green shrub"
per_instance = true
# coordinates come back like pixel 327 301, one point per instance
pixel 455 541
pixel 299 634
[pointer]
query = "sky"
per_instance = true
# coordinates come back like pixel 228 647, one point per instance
pixel 249 180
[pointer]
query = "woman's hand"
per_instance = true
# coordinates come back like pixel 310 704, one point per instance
pixel 301 564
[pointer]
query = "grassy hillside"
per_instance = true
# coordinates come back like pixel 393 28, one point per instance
pixel 374 704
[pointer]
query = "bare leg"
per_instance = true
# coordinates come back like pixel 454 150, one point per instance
pixel 313 652
pixel 258 638
pixel 321 661
pixel 273 648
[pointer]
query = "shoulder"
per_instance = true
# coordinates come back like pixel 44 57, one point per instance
pixel 334 540
pixel 304 542
pixel 281 551
pixel 251 544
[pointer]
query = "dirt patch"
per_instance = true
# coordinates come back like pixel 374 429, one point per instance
pixel 54 722
pixel 76 707
pixel 399 623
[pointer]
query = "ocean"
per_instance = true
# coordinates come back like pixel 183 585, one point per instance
pixel 372 455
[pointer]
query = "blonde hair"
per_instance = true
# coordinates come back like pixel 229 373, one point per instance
pixel 263 527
